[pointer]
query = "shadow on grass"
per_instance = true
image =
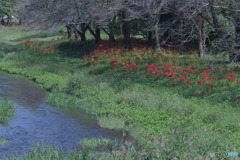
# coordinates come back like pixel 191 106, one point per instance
pixel 6 49
pixel 76 48
pixel 38 35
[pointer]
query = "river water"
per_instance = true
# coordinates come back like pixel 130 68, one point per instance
pixel 35 121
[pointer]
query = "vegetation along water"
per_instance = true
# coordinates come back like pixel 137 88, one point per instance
pixel 163 73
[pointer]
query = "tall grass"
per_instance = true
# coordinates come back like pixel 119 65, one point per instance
pixel 7 110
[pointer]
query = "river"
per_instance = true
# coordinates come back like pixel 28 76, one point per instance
pixel 36 121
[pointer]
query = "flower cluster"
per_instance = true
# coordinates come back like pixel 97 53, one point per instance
pixel 184 69
pixel 43 47
pixel 237 101
pixel 49 49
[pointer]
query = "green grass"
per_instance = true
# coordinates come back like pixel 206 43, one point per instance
pixel 164 121
pixel 3 141
pixel 7 110
pixel 100 148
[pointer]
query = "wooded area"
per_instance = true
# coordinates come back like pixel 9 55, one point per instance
pixel 165 23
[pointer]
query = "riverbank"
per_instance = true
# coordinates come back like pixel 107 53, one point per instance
pixel 165 121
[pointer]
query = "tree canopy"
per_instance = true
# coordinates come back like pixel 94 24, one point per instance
pixel 170 23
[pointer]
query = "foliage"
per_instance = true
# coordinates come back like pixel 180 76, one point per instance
pixel 7 110
pixel 6 7
pixel 3 141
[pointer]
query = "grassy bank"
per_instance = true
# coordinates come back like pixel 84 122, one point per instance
pixel 168 121
pixel 87 149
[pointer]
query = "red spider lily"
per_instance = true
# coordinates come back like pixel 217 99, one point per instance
pixel 119 56
pixel 199 82
pixel 172 75
pixel 168 70
pixel 84 58
pixel 131 64
pixel 33 48
pixel 208 69
pixel 43 49
pixel 231 76
pixel 237 101
pixel 113 61
pixel 186 73
pixel 182 78
pixel 211 84
pixel 50 48
pixel 95 57
pixel 24 43
pixel 187 82
pixel 151 67
pixel 205 76
pixel 135 67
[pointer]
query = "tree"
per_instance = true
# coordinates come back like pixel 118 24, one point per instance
pixel 6 11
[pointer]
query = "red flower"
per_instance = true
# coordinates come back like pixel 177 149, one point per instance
pixel 112 61
pixel 151 67
pixel 181 77
pixel 187 81
pixel 172 75
pixel 132 64
pixel 186 73
pixel 43 49
pixel 84 58
pixel 168 70
pixel 24 43
pixel 211 84
pixel 199 82
pixel 231 76
pixel 238 81
pixel 136 67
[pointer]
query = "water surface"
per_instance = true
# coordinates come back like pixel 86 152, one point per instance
pixel 35 121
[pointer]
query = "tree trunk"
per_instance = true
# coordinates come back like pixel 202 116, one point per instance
pixel 158 47
pixel 98 35
pixel 20 21
pixel 77 35
pixel 111 34
pixel 236 56
pixel 201 48
pixel 127 35
pixel 83 32
pixel 150 37
pixel 70 31
pixel 237 22
pixel 2 21
pixel 8 20
pixel 199 24
pixel 202 40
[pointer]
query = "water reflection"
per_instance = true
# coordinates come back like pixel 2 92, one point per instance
pixel 36 121
pixel 21 91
